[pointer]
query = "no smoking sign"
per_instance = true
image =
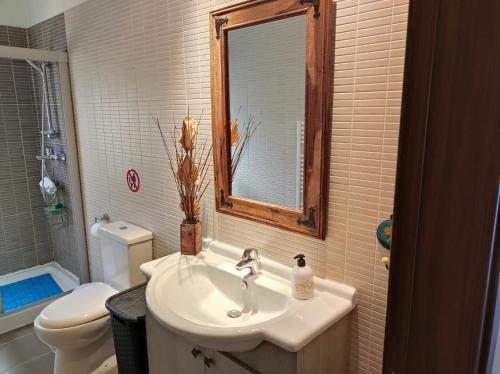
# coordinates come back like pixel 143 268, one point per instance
pixel 133 180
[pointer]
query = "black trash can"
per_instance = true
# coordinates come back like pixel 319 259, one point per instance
pixel 128 309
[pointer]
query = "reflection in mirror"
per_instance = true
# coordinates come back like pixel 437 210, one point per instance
pixel 267 75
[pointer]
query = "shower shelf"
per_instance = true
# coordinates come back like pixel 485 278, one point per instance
pixel 61 212
pixel 57 212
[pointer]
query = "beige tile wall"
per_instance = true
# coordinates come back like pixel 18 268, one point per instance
pixel 133 59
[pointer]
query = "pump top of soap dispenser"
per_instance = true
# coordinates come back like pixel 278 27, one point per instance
pixel 301 262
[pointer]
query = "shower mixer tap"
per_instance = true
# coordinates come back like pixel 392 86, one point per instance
pixel 49 154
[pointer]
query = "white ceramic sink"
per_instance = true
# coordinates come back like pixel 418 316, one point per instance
pixel 193 295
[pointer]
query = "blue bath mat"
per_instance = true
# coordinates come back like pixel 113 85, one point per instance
pixel 18 294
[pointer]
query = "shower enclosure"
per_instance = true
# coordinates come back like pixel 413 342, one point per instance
pixel 42 238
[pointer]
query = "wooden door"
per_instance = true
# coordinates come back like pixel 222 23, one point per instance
pixel 443 265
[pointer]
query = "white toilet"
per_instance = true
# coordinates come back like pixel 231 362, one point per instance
pixel 78 325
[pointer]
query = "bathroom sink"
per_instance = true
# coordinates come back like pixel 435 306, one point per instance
pixel 207 293
pixel 203 299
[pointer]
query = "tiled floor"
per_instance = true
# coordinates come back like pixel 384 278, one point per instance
pixel 21 352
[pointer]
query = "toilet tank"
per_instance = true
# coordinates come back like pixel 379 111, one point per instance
pixel 124 247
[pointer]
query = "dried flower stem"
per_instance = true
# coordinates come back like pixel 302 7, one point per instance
pixel 242 144
pixel 191 167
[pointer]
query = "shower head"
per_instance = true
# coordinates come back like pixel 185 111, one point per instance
pixel 34 66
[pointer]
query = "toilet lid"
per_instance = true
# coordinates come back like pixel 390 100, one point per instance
pixel 84 304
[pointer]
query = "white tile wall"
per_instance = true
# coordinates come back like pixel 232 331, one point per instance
pixel 134 59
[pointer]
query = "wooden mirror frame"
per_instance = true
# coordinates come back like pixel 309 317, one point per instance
pixel 311 220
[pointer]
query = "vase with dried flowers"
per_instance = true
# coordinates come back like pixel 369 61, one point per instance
pixel 189 167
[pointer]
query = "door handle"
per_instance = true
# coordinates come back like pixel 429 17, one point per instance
pixel 208 361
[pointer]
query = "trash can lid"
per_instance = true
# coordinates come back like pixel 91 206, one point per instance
pixel 129 305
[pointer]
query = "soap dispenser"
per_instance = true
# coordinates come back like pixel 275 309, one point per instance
pixel 302 279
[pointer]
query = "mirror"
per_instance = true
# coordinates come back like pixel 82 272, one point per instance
pixel 267 76
pixel 270 112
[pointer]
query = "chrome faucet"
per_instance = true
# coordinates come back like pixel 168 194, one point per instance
pixel 249 260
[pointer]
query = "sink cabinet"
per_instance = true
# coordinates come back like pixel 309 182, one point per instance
pixel 170 353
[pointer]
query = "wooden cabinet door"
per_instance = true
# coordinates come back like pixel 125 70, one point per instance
pixel 222 363
pixel 169 353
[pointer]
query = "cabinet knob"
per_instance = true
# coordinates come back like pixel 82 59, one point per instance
pixel 208 361
pixel 195 352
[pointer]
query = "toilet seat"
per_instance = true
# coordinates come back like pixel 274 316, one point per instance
pixel 85 304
